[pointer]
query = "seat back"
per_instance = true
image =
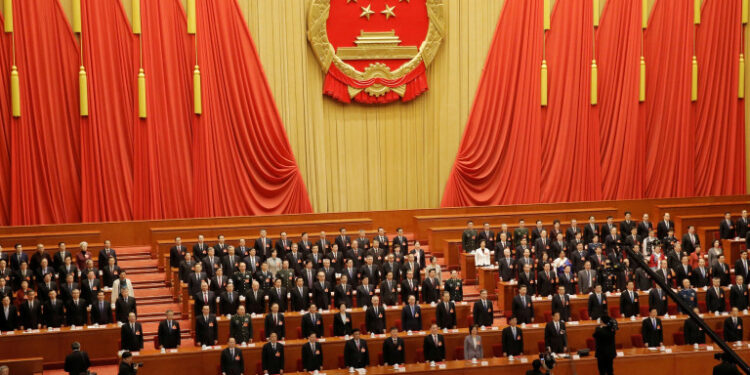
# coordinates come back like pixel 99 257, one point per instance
pixel 458 353
pixel 636 340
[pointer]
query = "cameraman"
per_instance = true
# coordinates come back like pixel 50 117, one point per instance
pixel 605 345
pixel 127 367
pixel 727 366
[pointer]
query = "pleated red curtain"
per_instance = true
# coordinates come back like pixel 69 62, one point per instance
pixel 504 134
pixel 621 134
pixel 241 153
pixel 109 55
pixel 720 115
pixel 570 166
pixel 45 140
pixel 5 124
pixel 669 137
pixel 162 151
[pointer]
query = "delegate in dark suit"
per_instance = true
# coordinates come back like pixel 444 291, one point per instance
pixel 726 229
pixel 733 329
pixel 342 325
pixel 75 313
pixel 77 363
pixel 312 357
pixel 275 323
pixel 445 315
pixel 9 322
pixel 512 342
pixel 629 305
pixel 309 326
pixel 273 358
pixel 561 305
pixel 652 332
pixel 206 330
pixel 169 334
pixel 232 362
pixel 53 313
pixel 124 307
pixel 356 354
pixel 375 319
pixel 604 338
pixel 411 318
pixel 31 314
pixel 738 296
pixel 482 311
pixel 131 337
pixel 523 308
pixel 556 337
pixel 434 348
pixel 715 300
pixel 694 334
pixel 597 306
pixel 393 352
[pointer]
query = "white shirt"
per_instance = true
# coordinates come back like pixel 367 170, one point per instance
pixel 482 257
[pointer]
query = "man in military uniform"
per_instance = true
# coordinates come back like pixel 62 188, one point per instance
pixel 469 238
pixel 241 326
pixel 688 295
pixel 455 287
pixel 286 275
pixel 242 279
pixel 520 232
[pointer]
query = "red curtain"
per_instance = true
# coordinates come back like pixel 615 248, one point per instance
pixel 45 140
pixel 5 124
pixel 503 134
pixel 109 52
pixel 669 137
pixel 720 115
pixel 162 153
pixel 241 154
pixel 570 147
pixel 618 51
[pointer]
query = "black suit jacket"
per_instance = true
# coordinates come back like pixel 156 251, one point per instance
pixel 524 312
pixel 445 316
pixel 275 325
pixel 512 345
pixel 652 336
pixel 726 230
pixel 738 297
pixel 389 296
pixel 411 321
pixel 357 358
pixel 200 301
pixel 101 313
pixel 561 305
pixel 341 328
pixel 206 330
pixel 169 335
pixel 605 343
pixel 312 360
pixel 53 315
pixel 11 322
pixel 656 302
pixel 556 340
pixel 232 364
pixel 277 296
pixel 31 317
pixel 694 334
pixel 715 302
pixel 255 304
pixel 434 351
pixel 733 332
pixel 77 363
pixel 662 229
pixel 300 300
pixel 322 295
pixel 375 322
pixel 308 326
pixel 76 314
pixel 122 308
pixel 393 353
pixel 629 307
pixel 596 309
pixel 130 339
pixel 273 359
pixel 484 316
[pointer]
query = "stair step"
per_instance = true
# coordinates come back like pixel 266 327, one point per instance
pixel 138 263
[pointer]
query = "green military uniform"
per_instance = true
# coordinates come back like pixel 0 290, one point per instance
pixel 243 281
pixel 287 278
pixel 520 233
pixel 469 240
pixel 456 289
pixel 241 328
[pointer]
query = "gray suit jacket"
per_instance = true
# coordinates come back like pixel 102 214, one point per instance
pixel 471 350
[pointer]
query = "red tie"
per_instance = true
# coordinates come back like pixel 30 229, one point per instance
pixel 205 297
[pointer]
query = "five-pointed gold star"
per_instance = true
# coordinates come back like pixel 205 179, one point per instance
pixel 349 1
pixel 389 11
pixel 403 0
pixel 367 12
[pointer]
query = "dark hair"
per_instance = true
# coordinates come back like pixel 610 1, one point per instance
pixel 126 355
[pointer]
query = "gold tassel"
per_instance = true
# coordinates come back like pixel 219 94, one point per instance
pixel 594 85
pixel 596 13
pixel 544 83
pixel 197 102
pixel 741 83
pixel 694 85
pixel 744 12
pixel 191 16
pixel 644 14
pixel 697 12
pixel 83 87
pixel 15 92
pixel 76 16
pixel 141 94
pixel 8 14
pixel 642 83
pixel 547 11
pixel 136 16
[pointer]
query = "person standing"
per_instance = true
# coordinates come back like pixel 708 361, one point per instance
pixel 434 345
pixel 604 339
pixel 169 332
pixel 473 344
pixel 356 354
pixel 272 358
pixel 312 354
pixel 77 362
pixel 232 362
